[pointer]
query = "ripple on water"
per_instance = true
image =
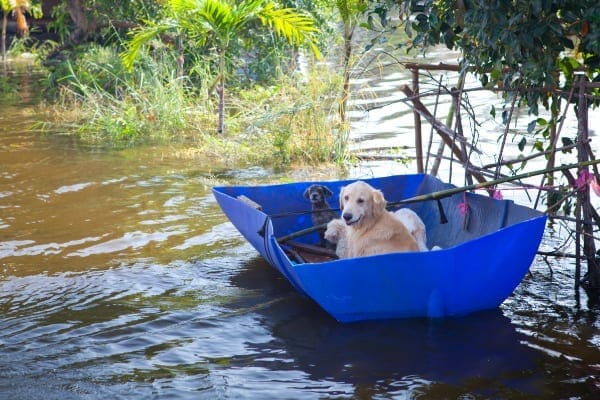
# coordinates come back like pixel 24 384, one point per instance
pixel 119 322
pixel 160 297
pixel 73 188
pixel 129 240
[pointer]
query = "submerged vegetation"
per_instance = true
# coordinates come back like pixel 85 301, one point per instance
pixel 143 71
pixel 164 82
pixel 289 120
pixel 146 72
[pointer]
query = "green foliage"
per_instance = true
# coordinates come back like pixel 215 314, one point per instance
pixel 33 7
pixel 102 12
pixel 9 88
pixel 272 118
pixel 216 23
pixel 39 49
pixel 60 21
pixel 106 104
pixel 112 105
pixel 351 9
pixel 516 43
pixel 90 67
pixel 292 121
pixel 281 138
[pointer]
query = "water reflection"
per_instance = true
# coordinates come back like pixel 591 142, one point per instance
pixel 395 357
pixel 107 330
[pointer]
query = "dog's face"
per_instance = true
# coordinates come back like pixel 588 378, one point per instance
pixel 317 193
pixel 360 202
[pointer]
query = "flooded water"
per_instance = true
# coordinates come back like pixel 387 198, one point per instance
pixel 120 278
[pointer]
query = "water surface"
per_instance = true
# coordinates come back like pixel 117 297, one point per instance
pixel 121 278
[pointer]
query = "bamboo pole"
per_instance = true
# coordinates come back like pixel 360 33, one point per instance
pixel 430 141
pixel 458 132
pixel 482 185
pixel 530 157
pixel 554 138
pixel 505 135
pixel 449 192
pixel 449 118
pixel 417 119
pixel 589 247
pixel 446 133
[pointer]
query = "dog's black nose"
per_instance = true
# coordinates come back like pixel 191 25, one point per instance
pixel 347 216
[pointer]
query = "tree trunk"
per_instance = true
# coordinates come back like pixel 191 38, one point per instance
pixel 348 33
pixel 4 23
pixel 592 278
pixel 221 93
pixel 79 14
pixel 22 27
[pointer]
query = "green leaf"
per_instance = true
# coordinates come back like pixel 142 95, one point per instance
pixel 567 142
pixel 522 143
pixel 531 126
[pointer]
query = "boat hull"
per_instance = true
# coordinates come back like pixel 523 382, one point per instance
pixel 485 252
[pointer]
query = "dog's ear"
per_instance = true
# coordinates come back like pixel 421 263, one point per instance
pixel 342 189
pixel 307 192
pixel 327 191
pixel 379 202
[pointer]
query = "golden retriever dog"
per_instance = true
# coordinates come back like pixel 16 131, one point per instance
pixel 371 229
pixel 415 226
pixel 336 233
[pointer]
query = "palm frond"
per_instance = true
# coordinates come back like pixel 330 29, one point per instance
pixel 182 6
pixel 217 16
pixel 139 39
pixel 14 4
pixel 298 28
pixel 247 10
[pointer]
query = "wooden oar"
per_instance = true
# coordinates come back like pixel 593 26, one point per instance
pixel 449 192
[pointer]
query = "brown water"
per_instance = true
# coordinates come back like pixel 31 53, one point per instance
pixel 121 278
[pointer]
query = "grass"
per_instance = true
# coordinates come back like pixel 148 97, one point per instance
pixel 102 103
pixel 291 122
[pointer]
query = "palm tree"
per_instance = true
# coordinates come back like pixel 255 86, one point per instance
pixel 218 23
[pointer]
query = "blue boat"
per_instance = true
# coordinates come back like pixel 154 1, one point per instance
pixel 487 246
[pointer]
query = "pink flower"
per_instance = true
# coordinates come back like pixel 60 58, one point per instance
pixel 583 179
pixel 498 194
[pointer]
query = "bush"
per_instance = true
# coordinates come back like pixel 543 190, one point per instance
pixel 292 121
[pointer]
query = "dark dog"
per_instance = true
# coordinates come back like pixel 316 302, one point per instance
pixel 322 211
